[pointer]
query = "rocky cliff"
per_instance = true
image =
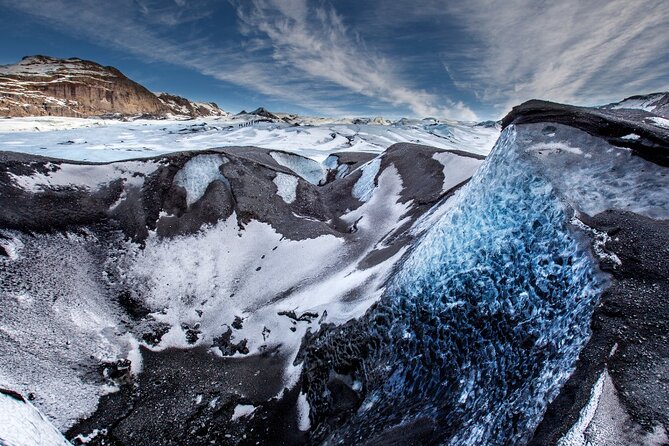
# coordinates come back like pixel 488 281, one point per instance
pixel 47 86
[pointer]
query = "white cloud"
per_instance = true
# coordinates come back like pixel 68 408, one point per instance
pixel 290 51
pixel 570 51
pixel 314 42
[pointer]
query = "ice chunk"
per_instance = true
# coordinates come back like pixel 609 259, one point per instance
pixel 197 173
pixel 310 170
pixel 331 162
pixel 364 187
pixel 286 186
pixel 242 410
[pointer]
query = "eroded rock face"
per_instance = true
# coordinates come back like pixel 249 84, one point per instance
pixel 47 86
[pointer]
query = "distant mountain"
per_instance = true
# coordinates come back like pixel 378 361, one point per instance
pixel 48 86
pixel 182 106
pixel 657 103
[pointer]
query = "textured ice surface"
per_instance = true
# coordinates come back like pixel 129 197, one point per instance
pixel 595 176
pixel 196 175
pixel 286 186
pixel 364 187
pixel 483 322
pixel 308 169
pixel 21 424
pixel 112 140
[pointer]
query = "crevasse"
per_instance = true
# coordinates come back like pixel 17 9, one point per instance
pixel 481 324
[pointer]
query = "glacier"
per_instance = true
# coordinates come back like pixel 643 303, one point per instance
pixel 481 324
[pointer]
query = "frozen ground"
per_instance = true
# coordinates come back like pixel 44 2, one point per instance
pixel 113 140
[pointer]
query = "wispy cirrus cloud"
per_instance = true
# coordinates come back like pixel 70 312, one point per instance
pixel 314 42
pixel 289 50
pixel 569 51
pixel 421 57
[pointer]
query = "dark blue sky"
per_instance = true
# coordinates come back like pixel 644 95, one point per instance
pixel 448 59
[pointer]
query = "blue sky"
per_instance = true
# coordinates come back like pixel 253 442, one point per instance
pixel 468 60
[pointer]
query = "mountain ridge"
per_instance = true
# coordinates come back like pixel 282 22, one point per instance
pixel 48 86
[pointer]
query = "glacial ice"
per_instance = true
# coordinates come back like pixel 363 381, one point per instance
pixel 112 140
pixel 594 176
pixel 286 186
pixel 310 170
pixel 364 187
pixel 197 173
pixel 483 321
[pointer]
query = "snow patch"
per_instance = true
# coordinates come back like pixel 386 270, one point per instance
pixel 600 239
pixel 286 186
pixel 457 168
pixel 576 435
pixel 604 421
pixel 659 122
pixel 303 410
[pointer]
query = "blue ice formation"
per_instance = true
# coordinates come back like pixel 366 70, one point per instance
pixel 441 130
pixel 197 173
pixel 481 324
pixel 310 170
pixel 364 187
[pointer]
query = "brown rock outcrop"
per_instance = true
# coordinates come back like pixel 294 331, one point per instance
pixel 47 86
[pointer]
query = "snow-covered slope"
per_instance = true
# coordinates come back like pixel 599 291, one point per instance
pixel 113 140
pixel 229 253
